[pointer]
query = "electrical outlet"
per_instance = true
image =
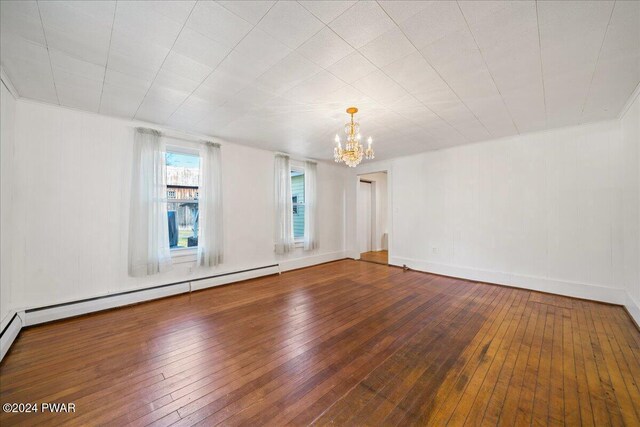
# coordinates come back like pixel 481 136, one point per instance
pixel 435 250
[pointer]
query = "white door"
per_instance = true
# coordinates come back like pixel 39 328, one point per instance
pixel 364 216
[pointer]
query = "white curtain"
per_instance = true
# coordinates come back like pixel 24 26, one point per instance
pixel 311 207
pixel 210 243
pixel 149 251
pixel 284 226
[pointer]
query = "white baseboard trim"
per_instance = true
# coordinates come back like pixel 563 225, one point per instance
pixel 231 278
pixel 542 284
pixel 286 265
pixel 633 309
pixel 11 326
pixel 61 311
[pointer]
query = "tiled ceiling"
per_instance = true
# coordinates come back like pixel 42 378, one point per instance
pixel 279 75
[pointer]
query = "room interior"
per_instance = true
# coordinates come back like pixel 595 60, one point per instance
pixel 319 212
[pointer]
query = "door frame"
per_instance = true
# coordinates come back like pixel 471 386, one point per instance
pixel 372 214
pixel 354 247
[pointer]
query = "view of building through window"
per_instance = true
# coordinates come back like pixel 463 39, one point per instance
pixel 297 196
pixel 183 178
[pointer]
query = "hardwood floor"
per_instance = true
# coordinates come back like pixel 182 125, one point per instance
pixel 379 257
pixel 345 343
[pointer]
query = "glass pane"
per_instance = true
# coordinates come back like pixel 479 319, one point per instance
pixel 297 197
pixel 183 169
pixel 297 186
pixel 183 178
pixel 298 221
pixel 183 224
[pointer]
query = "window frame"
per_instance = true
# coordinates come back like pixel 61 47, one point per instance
pixel 296 167
pixel 182 254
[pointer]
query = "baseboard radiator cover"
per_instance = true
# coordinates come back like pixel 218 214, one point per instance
pixel 10 330
pixel 17 320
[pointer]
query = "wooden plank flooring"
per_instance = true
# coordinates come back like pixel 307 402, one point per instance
pixel 379 257
pixel 345 343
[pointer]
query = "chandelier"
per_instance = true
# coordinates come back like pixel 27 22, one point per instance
pixel 353 151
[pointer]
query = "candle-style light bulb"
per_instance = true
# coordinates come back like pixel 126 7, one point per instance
pixel 369 141
pixel 337 139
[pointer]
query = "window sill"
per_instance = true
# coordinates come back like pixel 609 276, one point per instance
pixel 184 255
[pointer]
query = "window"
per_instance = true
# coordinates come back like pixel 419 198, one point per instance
pixel 297 198
pixel 183 177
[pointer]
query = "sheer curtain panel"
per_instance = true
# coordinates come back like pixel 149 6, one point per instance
pixel 311 205
pixel 149 251
pixel 210 242
pixel 284 225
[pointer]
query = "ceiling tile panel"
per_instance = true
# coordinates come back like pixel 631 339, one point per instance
pixel 174 82
pixel 191 112
pixel 314 88
pixel 144 22
pixel 80 29
pixel 75 66
pixel 507 34
pixel 83 94
pixel 456 57
pixel 177 10
pixel 154 111
pixel 290 23
pixel 27 65
pixel 362 23
pixel 352 67
pixel 21 18
pixel 326 10
pixel 251 11
pixel 214 96
pixel 618 70
pixel 289 72
pixel 135 58
pixel 259 52
pixel 186 67
pixel 458 115
pixel 387 48
pixel 415 74
pixel 434 20
pixel 120 101
pixel 167 94
pixel 220 118
pixel 219 24
pixel 571 34
pixel 401 10
pixel 200 48
pixel 126 81
pixel 380 87
pixel 325 48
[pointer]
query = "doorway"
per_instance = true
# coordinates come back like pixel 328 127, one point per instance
pixel 372 218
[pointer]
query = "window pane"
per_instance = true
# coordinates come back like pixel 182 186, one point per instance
pixel 183 177
pixel 183 224
pixel 183 169
pixel 297 196
pixel 298 222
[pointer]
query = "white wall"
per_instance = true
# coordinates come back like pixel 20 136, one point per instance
pixel 7 127
pixel 381 223
pixel 630 124
pixel 544 211
pixel 71 198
